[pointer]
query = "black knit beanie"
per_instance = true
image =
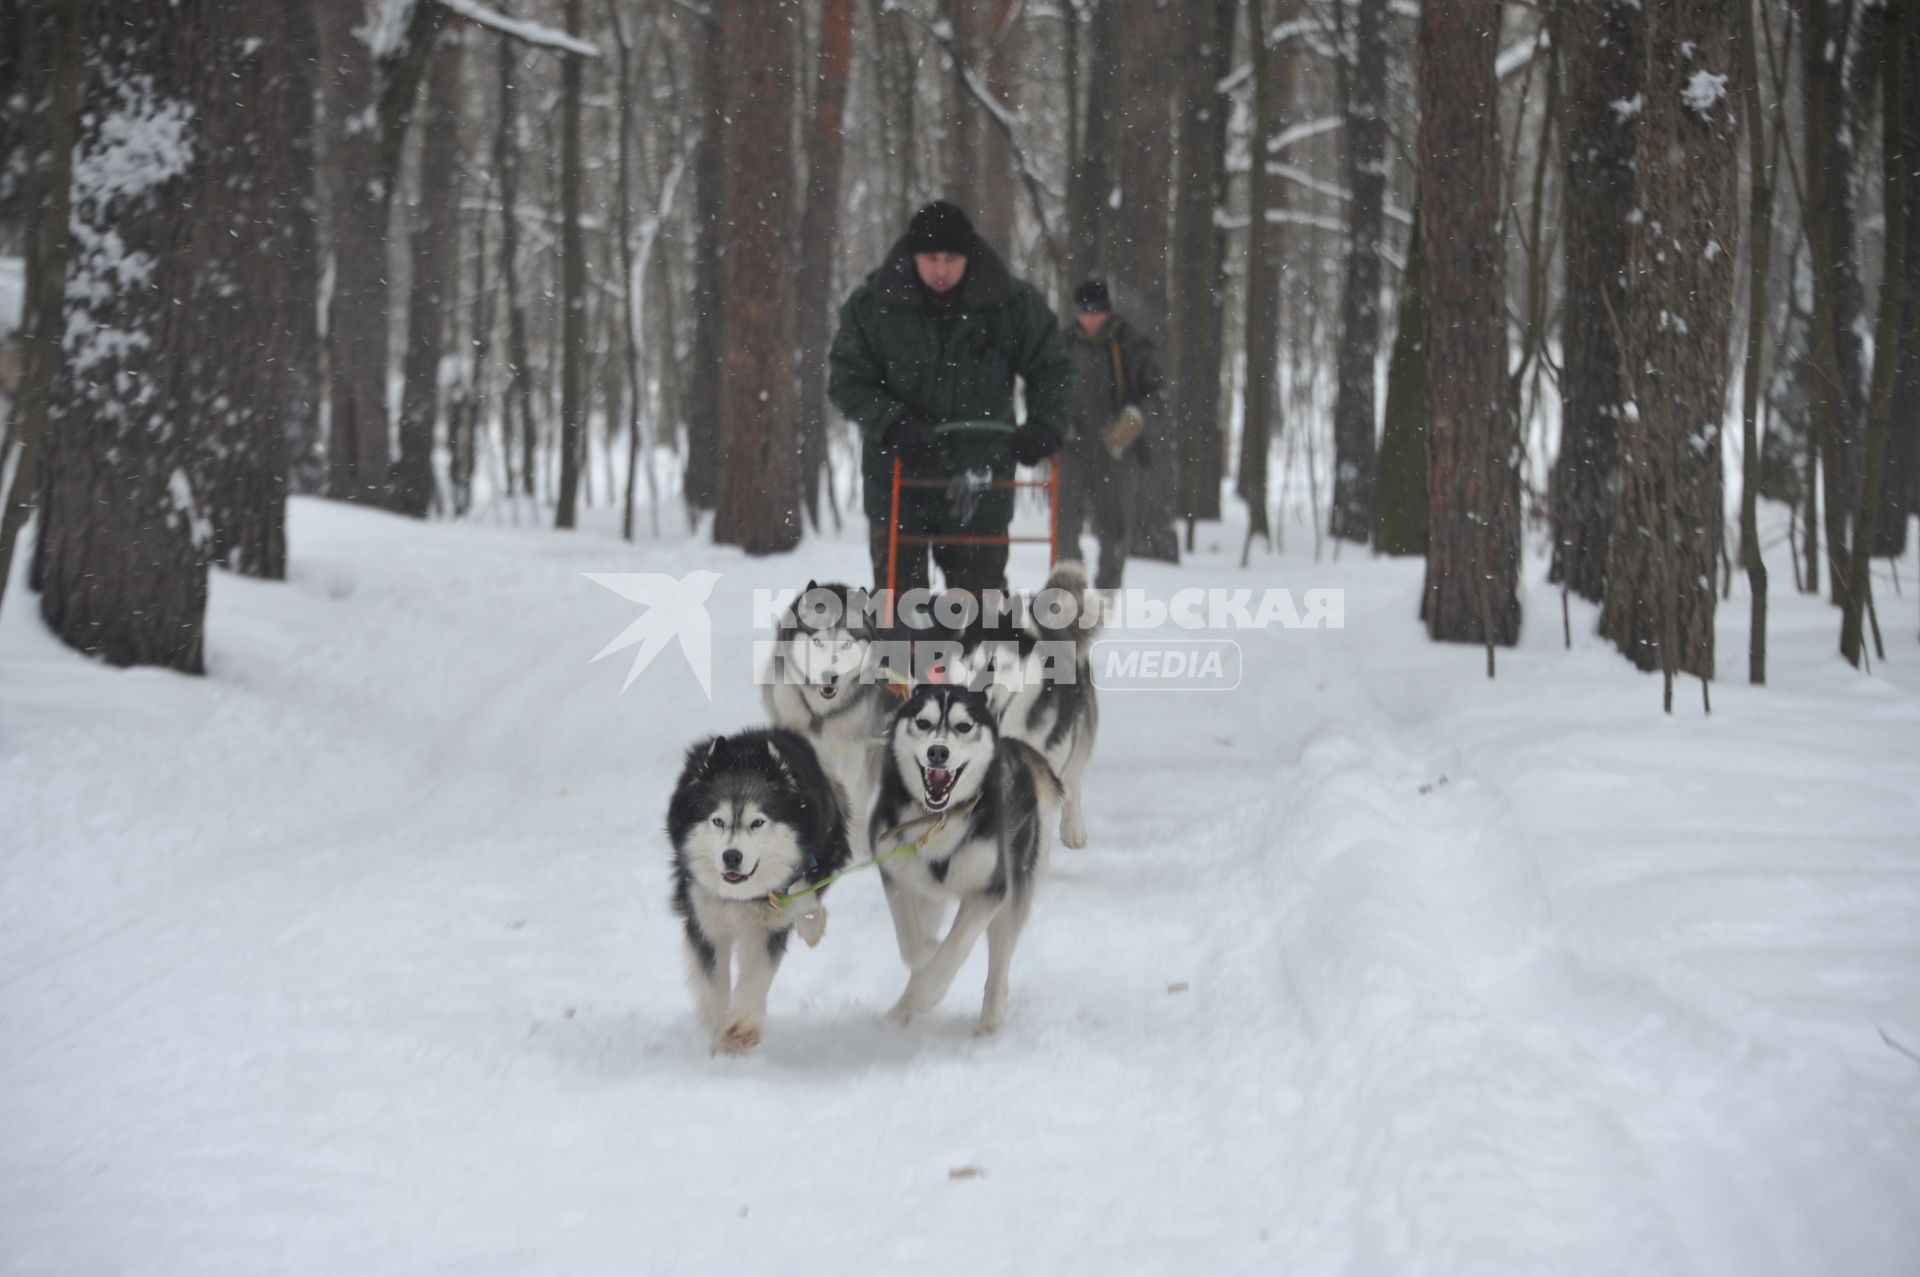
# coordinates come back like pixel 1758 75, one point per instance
pixel 941 227
pixel 1092 297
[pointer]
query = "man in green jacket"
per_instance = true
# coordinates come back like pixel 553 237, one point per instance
pixel 1116 379
pixel 924 364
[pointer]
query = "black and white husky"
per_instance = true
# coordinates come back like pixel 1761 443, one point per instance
pixel 980 808
pixel 819 685
pixel 1023 669
pixel 752 814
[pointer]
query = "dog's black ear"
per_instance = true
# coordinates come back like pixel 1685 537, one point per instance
pixel 779 761
pixel 811 586
pixel 701 756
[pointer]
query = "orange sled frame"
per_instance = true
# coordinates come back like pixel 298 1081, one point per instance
pixel 895 540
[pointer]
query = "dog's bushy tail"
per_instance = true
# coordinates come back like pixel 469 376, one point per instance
pixel 1070 577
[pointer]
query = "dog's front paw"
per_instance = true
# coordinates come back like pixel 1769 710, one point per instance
pixel 737 1037
pixel 905 1009
pixel 1073 830
pixel 917 1000
pixel 811 927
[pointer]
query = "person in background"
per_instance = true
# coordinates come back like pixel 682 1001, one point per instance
pixel 1115 380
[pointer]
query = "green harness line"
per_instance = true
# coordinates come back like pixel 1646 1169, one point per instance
pixel 781 899
pixel 982 427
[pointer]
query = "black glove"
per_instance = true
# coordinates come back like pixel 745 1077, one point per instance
pixel 914 440
pixel 1033 444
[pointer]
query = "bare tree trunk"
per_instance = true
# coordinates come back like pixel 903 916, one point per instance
pixel 1088 177
pixel 1136 252
pixel 1365 110
pixel 1898 66
pixel 124 534
pixel 60 38
pixel 819 227
pixel 1605 66
pixel 1196 303
pixel 467 413
pixel 758 506
pixel 1400 497
pixel 1211 476
pixel 28 42
pixel 897 63
pixel 1080 208
pixel 1759 260
pixel 1001 36
pixel 369 115
pixel 1810 513
pixel 1827 31
pixel 519 371
pixel 1525 375
pixel 1898 490
pixel 248 295
pixel 1473 544
pixel 709 296
pixel 608 374
pixel 629 267
pixel 1665 545
pixel 959 113
pixel 303 343
pixel 1272 79
pixel 573 287
pixel 347 89
pixel 433 243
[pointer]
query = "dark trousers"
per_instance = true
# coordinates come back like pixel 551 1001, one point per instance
pixel 1095 486
pixel 975 568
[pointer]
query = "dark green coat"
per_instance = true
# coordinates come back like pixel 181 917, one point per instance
pixel 1097 396
pixel 893 357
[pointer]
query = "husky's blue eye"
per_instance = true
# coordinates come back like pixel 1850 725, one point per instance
pixel 757 822
pixel 719 823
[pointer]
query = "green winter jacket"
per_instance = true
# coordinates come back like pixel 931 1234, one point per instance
pixel 892 357
pixel 1116 349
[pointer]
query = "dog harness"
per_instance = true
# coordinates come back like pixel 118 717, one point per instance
pixel 781 899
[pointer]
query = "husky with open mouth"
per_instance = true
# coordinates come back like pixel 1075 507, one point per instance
pixel 979 809
pixel 819 685
pixel 752 815
pixel 1038 676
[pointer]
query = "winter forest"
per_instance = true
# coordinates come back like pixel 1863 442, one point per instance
pixel 348 348
pixel 1572 271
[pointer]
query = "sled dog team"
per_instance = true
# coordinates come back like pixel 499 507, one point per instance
pixel 952 786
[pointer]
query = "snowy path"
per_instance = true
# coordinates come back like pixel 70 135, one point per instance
pixel 355 958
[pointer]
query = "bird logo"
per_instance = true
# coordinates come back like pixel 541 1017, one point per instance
pixel 676 608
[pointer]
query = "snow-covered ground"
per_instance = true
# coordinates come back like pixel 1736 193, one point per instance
pixel 355 956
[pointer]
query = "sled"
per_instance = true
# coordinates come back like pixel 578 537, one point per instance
pixel 895 540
